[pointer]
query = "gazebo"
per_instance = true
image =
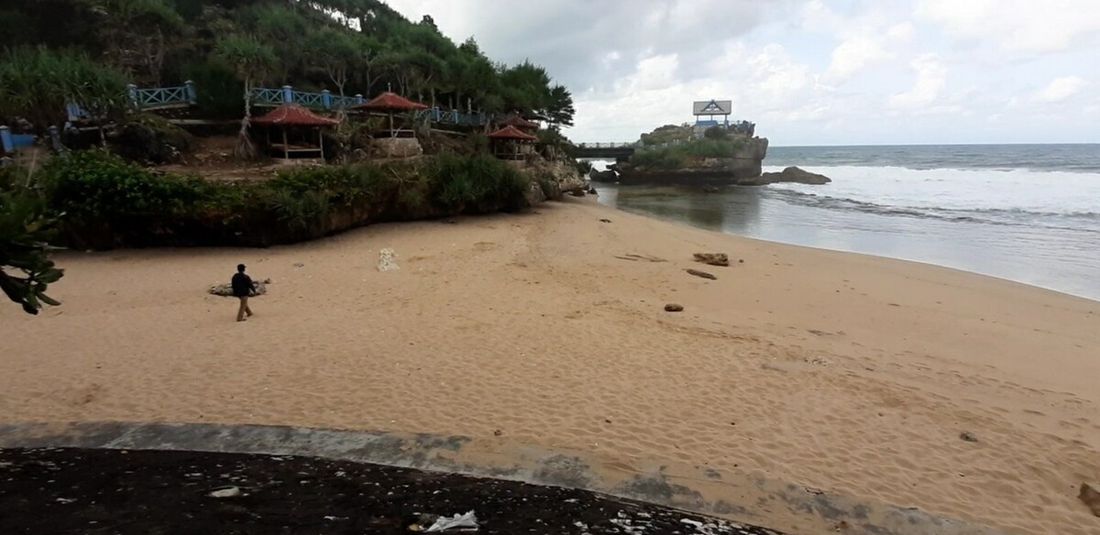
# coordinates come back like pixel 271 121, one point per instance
pixel 510 137
pixel 390 103
pixel 295 116
pixel 519 122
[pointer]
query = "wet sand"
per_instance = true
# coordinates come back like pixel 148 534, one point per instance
pixel 836 371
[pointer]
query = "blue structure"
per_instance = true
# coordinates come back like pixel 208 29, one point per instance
pixel 324 100
pixel 154 98
pixel 455 117
pixel 9 142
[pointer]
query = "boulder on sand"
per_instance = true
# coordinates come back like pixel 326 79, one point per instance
pixel 1091 498
pixel 790 174
pixel 713 259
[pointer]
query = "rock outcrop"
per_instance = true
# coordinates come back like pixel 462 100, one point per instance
pixel 745 160
pixel 790 174
pixel 553 178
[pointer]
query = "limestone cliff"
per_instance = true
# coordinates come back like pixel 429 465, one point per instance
pixel 708 161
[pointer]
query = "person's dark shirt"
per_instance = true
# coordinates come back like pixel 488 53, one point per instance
pixel 242 285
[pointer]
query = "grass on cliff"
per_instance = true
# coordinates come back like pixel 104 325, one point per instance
pixel 683 155
pixel 104 201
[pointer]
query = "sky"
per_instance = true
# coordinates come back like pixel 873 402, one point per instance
pixel 807 72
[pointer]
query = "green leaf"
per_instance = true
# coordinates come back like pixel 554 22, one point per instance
pixel 49 300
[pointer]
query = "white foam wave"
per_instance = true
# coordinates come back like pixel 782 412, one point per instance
pixel 1055 193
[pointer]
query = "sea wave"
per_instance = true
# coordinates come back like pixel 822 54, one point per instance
pixel 1049 199
pixel 1058 193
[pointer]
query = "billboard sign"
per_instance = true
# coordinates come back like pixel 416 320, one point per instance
pixel 712 107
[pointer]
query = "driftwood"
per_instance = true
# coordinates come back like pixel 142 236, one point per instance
pixel 702 274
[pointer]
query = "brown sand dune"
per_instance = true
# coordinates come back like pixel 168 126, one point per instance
pixel 831 370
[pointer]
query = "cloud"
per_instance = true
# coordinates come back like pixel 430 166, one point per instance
pixel 806 71
pixel 1060 89
pixel 931 79
pixel 573 39
pixel 1017 25
pixel 853 55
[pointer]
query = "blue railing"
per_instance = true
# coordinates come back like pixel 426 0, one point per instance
pixel 324 100
pixel 163 97
pixel 454 117
pixel 153 98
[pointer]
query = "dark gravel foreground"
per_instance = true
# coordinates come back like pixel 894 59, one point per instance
pixel 68 490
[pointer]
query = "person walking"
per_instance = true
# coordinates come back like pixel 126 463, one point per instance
pixel 243 287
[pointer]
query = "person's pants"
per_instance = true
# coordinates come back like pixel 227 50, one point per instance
pixel 244 309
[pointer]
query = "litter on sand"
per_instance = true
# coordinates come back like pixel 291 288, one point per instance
pixel 466 522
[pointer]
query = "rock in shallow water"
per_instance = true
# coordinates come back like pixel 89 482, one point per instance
pixel 790 174
pixel 673 307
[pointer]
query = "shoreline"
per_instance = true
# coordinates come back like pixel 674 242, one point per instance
pixel 850 373
pixel 681 223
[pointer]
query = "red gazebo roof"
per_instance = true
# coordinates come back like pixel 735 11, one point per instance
pixel 390 101
pixel 519 122
pixel 511 132
pixel 293 115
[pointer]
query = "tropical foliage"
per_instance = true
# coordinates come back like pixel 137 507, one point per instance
pixel 37 83
pixel 103 201
pixel 676 156
pixel 346 46
pixel 25 270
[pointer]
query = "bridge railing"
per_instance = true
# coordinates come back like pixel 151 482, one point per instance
pixel 325 100
pixel 607 145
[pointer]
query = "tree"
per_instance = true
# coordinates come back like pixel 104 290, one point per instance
pixel 280 27
pixel 25 270
pixel 525 87
pixel 139 31
pixel 335 53
pixel 560 109
pixel 252 61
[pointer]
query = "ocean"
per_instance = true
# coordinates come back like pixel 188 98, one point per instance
pixel 1028 213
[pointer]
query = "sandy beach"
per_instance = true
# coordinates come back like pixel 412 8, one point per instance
pixel 831 370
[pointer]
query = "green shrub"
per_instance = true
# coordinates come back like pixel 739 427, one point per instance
pixel 663 158
pixel 476 184
pixel 105 201
pixel 97 185
pixel 678 156
pixel 716 132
